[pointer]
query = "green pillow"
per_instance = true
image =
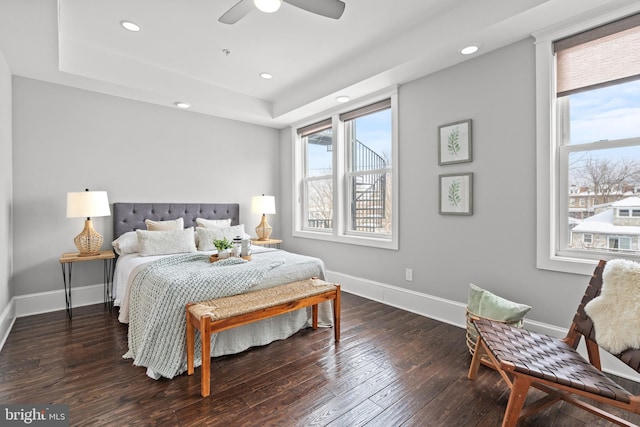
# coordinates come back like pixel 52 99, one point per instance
pixel 485 304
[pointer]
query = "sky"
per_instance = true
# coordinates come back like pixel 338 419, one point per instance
pixel 373 130
pixel 611 112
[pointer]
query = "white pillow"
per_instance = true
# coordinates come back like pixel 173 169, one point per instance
pixel 166 242
pixel 127 243
pixel 213 223
pixel 206 236
pixel 175 224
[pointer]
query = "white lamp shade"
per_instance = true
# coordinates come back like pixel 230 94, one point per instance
pixel 268 6
pixel 87 204
pixel 263 204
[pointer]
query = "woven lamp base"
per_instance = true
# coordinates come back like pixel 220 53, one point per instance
pixel 89 241
pixel 263 230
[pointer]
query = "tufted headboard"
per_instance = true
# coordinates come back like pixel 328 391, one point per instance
pixel 131 216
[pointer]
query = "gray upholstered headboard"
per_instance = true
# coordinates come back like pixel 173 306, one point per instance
pixel 131 216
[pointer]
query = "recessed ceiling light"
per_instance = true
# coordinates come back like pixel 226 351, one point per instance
pixel 131 26
pixel 266 76
pixel 343 98
pixel 182 105
pixel 469 50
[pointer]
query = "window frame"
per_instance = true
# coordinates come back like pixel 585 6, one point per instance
pixel 548 177
pixel 341 156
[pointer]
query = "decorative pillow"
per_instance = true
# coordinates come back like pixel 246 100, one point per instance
pixel 166 242
pixel 485 304
pixel 127 243
pixel 175 224
pixel 213 223
pixel 490 306
pixel 206 236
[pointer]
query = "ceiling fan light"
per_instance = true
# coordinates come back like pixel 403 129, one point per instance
pixel 268 6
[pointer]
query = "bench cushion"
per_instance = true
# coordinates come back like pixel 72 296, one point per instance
pixel 235 305
pixel 545 357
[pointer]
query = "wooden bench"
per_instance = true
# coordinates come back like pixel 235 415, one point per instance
pixel 219 314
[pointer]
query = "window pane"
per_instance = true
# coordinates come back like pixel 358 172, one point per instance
pixel 604 176
pixel 603 114
pixel 319 157
pixel 319 203
pixel 370 145
pixel 371 141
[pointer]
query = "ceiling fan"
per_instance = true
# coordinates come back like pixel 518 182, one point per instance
pixel 329 8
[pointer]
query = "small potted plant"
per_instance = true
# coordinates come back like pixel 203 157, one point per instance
pixel 223 246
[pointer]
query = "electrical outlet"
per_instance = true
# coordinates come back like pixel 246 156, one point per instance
pixel 408 274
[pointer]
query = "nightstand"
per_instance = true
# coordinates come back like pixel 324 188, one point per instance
pixel 67 260
pixel 268 243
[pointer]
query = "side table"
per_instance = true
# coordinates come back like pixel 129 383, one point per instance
pixel 67 260
pixel 268 243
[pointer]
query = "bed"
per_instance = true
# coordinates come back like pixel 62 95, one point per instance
pixel 152 288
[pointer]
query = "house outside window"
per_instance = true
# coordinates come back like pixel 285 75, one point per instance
pixel 589 79
pixel 344 172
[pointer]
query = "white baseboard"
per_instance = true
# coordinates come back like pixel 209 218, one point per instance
pixel 7 319
pixel 454 313
pixel 45 302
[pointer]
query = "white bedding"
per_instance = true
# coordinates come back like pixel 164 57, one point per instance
pixel 237 339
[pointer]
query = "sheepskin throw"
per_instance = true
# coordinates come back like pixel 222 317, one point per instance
pixel 616 311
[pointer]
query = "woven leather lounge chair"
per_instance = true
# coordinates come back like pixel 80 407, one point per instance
pixel 525 359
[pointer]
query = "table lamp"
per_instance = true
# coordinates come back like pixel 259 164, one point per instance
pixel 264 205
pixel 87 204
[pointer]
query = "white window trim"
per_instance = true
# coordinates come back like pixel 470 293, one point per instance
pixel 547 179
pixel 339 233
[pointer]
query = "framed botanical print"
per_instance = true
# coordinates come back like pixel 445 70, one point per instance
pixel 454 143
pixel 456 194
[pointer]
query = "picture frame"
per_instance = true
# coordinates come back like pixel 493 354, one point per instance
pixel 456 194
pixel 454 143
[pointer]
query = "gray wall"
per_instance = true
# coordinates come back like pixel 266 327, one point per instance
pixel 6 185
pixel 494 248
pixel 69 139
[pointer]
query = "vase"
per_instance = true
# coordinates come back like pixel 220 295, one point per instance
pixel 224 253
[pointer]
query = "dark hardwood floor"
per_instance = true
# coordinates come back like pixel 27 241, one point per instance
pixel 391 368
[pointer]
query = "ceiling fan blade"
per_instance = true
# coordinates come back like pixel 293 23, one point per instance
pixel 237 12
pixel 329 8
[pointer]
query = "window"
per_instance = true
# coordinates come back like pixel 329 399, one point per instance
pixel 344 175
pixel 619 243
pixel 626 213
pixel 588 78
pixel 587 238
pixel 318 175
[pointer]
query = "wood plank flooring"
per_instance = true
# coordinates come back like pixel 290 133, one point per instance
pixel 391 368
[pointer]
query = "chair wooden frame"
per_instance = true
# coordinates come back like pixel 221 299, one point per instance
pixel 555 384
